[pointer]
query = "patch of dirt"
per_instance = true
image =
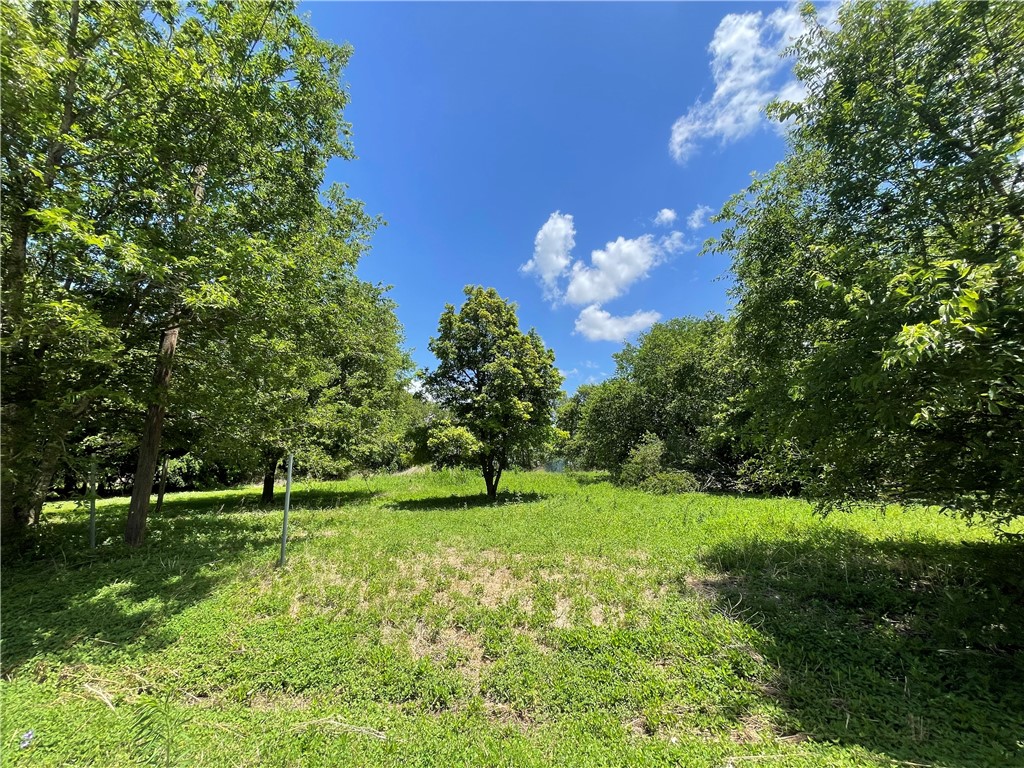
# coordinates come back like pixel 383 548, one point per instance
pixel 712 586
pixel 563 612
pixel 483 576
pixel 505 714
pixel 438 645
pixel 606 614
pixel 753 728
pixel 638 727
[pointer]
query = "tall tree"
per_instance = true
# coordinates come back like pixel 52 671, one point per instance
pixel 880 280
pixel 155 174
pixel 499 384
pixel 675 383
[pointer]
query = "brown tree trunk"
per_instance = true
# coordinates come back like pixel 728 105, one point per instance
pixel 269 475
pixel 152 431
pixel 163 486
pixel 489 479
pixel 48 462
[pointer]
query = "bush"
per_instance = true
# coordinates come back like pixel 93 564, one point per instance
pixel 670 482
pixel 642 462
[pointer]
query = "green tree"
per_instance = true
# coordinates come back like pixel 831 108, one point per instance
pixel 879 267
pixel 674 385
pixel 500 385
pixel 160 162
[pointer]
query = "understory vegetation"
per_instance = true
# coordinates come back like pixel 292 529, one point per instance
pixel 569 623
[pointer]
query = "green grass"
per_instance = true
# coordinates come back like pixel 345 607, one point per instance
pixel 572 623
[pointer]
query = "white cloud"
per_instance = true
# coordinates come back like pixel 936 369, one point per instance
pixel 674 242
pixel 551 252
pixel 697 217
pixel 612 270
pixel 597 324
pixel 665 217
pixel 749 71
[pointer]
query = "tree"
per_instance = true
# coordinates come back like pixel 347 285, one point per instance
pixel 879 270
pixel 499 385
pixel 674 385
pixel 159 163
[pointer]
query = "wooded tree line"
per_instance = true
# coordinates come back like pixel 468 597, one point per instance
pixel 175 281
pixel 876 349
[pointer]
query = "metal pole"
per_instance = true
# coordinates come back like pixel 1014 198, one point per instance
pixel 92 505
pixel 287 503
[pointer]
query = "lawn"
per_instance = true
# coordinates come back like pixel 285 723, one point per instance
pixel 572 623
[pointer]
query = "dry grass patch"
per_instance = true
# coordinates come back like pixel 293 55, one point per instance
pixel 445 645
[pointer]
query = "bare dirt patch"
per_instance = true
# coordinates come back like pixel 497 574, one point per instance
pixel 441 645
pixel 754 728
pixel 711 587
pixel 484 576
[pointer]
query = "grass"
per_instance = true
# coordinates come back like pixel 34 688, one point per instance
pixel 572 624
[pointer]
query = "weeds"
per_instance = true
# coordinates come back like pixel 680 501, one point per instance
pixel 571 623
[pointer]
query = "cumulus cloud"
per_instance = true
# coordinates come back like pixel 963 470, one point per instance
pixel 552 250
pixel 613 269
pixel 665 218
pixel 698 216
pixel 749 72
pixel 597 324
pixel 674 242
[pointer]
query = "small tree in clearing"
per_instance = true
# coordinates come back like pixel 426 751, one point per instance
pixel 498 383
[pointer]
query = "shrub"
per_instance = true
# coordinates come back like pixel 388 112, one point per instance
pixel 642 462
pixel 670 482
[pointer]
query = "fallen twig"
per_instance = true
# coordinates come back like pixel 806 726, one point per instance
pixel 100 694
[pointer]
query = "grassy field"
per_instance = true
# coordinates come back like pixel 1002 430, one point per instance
pixel 572 624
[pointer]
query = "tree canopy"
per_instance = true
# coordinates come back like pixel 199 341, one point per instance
pixel 499 384
pixel 880 279
pixel 163 216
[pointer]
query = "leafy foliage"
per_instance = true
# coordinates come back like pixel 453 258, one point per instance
pixel 879 270
pixel 162 173
pixel 499 384
pixel 643 462
pixel 676 385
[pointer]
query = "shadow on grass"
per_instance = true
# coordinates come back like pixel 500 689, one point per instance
pixel 588 478
pixel 73 605
pixel 456 502
pixel 911 649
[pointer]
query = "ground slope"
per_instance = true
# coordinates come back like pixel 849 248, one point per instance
pixel 572 624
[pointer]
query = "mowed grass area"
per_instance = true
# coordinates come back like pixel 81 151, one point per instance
pixel 572 623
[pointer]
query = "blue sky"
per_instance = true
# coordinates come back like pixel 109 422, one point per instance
pixel 531 147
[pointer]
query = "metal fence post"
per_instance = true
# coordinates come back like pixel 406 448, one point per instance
pixel 287 504
pixel 92 505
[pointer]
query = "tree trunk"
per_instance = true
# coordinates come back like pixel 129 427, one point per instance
pixel 15 262
pixel 163 486
pixel 489 479
pixel 48 462
pixel 269 476
pixel 152 431
pixel 70 483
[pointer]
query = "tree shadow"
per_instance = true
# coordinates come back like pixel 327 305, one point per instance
pixel 457 502
pixel 914 649
pixel 233 502
pixel 588 478
pixel 70 605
